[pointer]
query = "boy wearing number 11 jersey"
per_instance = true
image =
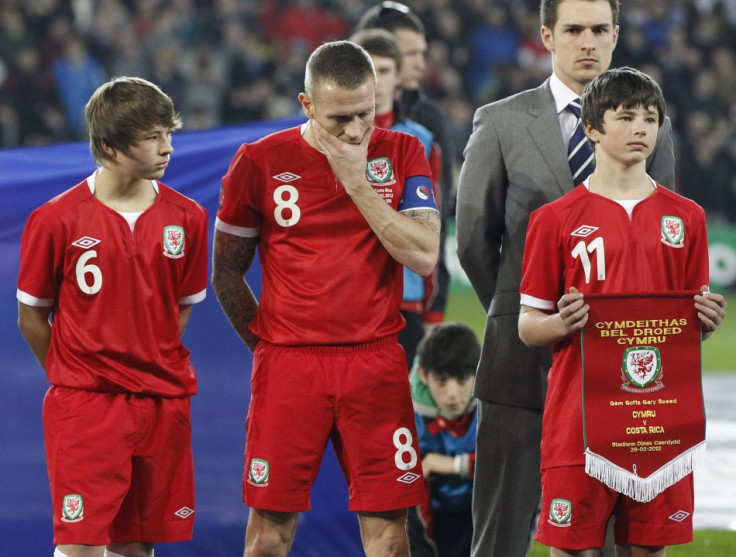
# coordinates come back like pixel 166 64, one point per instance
pixel 617 232
pixel 117 261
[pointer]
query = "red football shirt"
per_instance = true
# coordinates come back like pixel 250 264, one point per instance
pixel 115 293
pixel 588 241
pixel 326 277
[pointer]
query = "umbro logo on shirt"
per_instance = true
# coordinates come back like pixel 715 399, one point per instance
pixel 287 177
pixel 85 242
pixel 583 231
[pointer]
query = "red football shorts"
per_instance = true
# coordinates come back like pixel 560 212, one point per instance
pixel 575 510
pixel 357 396
pixel 120 467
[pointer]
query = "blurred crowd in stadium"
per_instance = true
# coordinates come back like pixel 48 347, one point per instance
pixel 231 61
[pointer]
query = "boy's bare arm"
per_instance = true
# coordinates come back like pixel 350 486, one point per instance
pixel 184 313
pixel 34 325
pixel 232 257
pixel 538 328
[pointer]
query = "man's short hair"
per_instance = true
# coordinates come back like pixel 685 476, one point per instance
pixel 121 109
pixel 620 87
pixel 379 42
pixel 548 11
pixel 451 349
pixel 343 63
pixel 391 16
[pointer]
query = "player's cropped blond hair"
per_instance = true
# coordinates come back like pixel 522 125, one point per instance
pixel 343 63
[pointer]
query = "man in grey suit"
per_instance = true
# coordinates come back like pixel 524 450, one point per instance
pixel 515 161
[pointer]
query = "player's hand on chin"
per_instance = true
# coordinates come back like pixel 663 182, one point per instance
pixel 347 160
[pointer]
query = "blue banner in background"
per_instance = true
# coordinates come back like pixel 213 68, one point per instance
pixel 28 178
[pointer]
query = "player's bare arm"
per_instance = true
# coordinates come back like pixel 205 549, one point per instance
pixel 412 238
pixel 184 312
pixel 538 328
pixel 34 325
pixel 427 217
pixel 711 309
pixel 232 257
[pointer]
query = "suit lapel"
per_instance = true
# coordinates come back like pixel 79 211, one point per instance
pixel 545 131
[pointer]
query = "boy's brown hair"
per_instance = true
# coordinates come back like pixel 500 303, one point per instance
pixel 451 349
pixel 620 87
pixel 123 108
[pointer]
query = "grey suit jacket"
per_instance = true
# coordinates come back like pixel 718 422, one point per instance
pixel 516 161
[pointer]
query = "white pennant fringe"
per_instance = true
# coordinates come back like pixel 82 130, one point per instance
pixel 644 489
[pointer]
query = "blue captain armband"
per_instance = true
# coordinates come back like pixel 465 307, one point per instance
pixel 418 194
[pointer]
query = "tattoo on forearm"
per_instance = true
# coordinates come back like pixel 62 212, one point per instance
pixel 230 261
pixel 430 219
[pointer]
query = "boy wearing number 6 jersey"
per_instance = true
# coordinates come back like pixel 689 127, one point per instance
pixel 109 272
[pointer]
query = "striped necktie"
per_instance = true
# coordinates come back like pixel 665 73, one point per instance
pixel 579 151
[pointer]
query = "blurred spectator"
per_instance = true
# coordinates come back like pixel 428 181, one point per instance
pixel 705 164
pixel 493 42
pixel 130 57
pixel 38 117
pixel 13 32
pixel 165 71
pixel 204 71
pixel 109 21
pixel 77 74
pixel 250 65
pixel 663 15
pixel 302 24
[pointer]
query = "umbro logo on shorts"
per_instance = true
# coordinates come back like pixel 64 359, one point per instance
pixel 679 516
pixel 184 512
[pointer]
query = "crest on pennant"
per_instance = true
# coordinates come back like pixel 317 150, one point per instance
pixel 72 508
pixel 641 370
pixel 673 231
pixel 174 241
pixel 379 170
pixel 560 512
pixel 258 472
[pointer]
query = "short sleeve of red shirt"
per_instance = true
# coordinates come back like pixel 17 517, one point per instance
pixel 239 212
pixel 42 253
pixel 194 280
pixel 542 267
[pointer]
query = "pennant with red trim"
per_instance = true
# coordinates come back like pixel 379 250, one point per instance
pixel 643 411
